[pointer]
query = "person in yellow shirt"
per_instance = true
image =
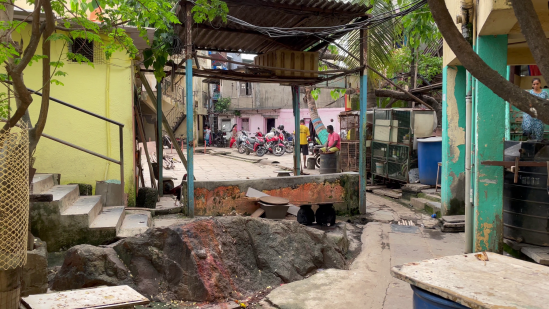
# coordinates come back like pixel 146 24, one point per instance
pixel 304 145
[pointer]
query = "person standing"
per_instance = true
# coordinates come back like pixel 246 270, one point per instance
pixel 233 136
pixel 533 127
pixel 207 135
pixel 303 144
pixel 334 142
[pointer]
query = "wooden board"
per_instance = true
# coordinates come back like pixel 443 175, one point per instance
pixel 539 254
pixel 501 282
pixel 97 298
pixel 274 200
pixel 258 213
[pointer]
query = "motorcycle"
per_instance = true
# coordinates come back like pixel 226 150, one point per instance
pixel 241 142
pixel 254 144
pixel 220 140
pixel 273 144
pixel 314 149
pixel 287 139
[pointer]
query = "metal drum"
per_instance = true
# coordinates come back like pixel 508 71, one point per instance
pixel 526 203
pixel 328 163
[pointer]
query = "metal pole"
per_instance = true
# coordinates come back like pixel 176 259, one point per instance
pixel 121 137
pixel 159 148
pixel 190 114
pixel 469 218
pixel 297 137
pixel 363 119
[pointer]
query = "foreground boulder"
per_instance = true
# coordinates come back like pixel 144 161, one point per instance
pixel 205 260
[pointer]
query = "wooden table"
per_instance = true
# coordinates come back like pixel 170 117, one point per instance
pixel 501 282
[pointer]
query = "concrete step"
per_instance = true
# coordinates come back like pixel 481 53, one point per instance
pixel 136 222
pixel 109 218
pixel 41 183
pixel 434 208
pixel 63 195
pixel 86 206
pixel 418 203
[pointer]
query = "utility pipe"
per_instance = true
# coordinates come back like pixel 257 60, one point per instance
pixel 466 22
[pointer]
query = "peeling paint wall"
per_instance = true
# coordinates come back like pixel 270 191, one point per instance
pixel 222 197
pixel 489 136
pixel 453 141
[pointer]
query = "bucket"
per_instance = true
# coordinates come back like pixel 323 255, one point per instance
pixel 427 300
pixel 429 153
pixel 311 162
pixel 328 163
pixel 379 168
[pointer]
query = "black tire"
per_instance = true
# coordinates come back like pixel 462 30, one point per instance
pixel 241 149
pixel 260 152
pixel 278 150
pixel 317 162
pixel 289 149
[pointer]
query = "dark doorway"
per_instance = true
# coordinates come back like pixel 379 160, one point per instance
pixel 270 124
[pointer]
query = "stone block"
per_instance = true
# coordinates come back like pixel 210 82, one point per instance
pixel 35 272
pixel 431 197
pixel 147 198
pixel 415 187
pixel 408 194
pixel 418 203
pixel 433 208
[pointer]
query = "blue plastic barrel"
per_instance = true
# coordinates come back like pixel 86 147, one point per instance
pixel 427 300
pixel 429 153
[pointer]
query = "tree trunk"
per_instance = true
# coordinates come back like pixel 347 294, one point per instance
pixel 533 32
pixel 36 132
pixel 524 101
pixel 320 129
pixel 412 73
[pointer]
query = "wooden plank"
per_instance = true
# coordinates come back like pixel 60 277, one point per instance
pixel 97 298
pixel 258 213
pixel 538 254
pixel 500 282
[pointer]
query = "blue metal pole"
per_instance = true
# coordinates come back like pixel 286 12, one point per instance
pixel 297 140
pixel 160 149
pixel 190 136
pixel 363 121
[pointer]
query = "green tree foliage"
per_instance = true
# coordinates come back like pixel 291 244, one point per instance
pixel 222 105
pixel 428 66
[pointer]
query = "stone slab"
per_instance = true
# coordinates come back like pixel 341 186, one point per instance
pixel 454 219
pixel 415 187
pixel 109 218
pixel 41 183
pixel 135 222
pixel 371 188
pixel 64 195
pixel 539 254
pixel 103 297
pixel 418 203
pixel 478 284
pixel 387 192
pixel 89 206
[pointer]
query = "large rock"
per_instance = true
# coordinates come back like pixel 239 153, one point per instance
pixel 213 259
pixel 88 266
pixel 35 272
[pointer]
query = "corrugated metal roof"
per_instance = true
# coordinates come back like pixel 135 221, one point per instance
pixel 234 37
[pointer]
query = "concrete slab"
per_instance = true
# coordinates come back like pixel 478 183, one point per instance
pixel 433 208
pixel 41 183
pixel 89 206
pixel 64 196
pixel 168 205
pixel 109 218
pixel 418 203
pixel 453 219
pixel 135 222
pixel 500 282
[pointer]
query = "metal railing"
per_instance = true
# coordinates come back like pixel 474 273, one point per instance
pixel 120 132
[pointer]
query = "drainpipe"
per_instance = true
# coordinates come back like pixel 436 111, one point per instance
pixel 466 20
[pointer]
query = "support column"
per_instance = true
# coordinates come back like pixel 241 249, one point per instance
pixel 190 113
pixel 159 144
pixel 297 140
pixel 363 131
pixel 453 141
pixel 489 119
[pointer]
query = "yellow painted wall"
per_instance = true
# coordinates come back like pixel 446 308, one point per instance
pixel 105 90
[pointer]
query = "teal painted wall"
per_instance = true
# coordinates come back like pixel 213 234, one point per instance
pixel 453 140
pixel 489 118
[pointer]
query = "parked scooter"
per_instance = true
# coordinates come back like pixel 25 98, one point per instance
pixel 287 139
pixel 254 144
pixel 220 140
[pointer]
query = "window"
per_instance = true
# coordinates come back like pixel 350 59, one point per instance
pixel 245 124
pixel 83 47
pixel 245 89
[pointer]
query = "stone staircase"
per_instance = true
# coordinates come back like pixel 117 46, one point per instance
pixel 62 218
